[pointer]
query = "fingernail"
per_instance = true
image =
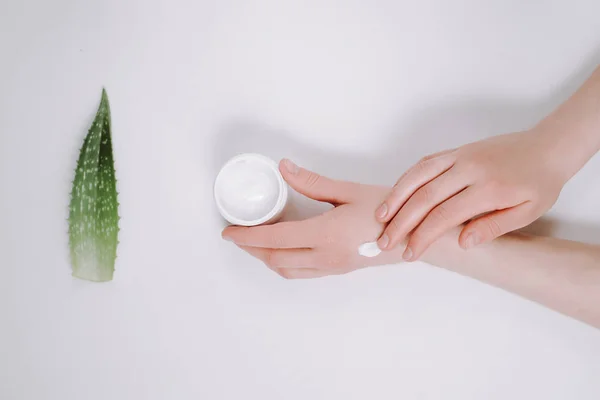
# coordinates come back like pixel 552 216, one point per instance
pixel 227 238
pixel 290 166
pixel 407 254
pixel 382 211
pixel 473 239
pixel 383 242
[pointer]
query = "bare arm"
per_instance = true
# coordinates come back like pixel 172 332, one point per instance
pixel 562 275
pixel 495 185
pixel 559 274
pixel 573 129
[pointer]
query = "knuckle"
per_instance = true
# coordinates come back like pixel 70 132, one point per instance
pixel 286 273
pixel 472 167
pixel 417 245
pixel 312 179
pixel 399 182
pixel 482 173
pixel 440 213
pixel 493 227
pixel 422 164
pixel 394 198
pixel 424 195
pixel 495 195
pixel 430 157
pixel 393 228
pixel 422 236
pixel 493 186
pixel 269 261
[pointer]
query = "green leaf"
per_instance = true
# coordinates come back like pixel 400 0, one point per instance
pixel 93 211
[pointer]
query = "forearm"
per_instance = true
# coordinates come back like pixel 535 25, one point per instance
pixel 572 131
pixel 559 274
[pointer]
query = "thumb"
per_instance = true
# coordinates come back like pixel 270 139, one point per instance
pixel 315 186
pixel 490 226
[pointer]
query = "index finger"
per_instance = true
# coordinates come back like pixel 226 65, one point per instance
pixel 453 212
pixel 283 235
pixel 420 174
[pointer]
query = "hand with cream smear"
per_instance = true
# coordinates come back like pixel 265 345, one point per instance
pixel 324 245
pixel 562 275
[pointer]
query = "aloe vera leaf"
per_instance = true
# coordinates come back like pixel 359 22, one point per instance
pixel 93 210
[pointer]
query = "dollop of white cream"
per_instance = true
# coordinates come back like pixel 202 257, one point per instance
pixel 247 189
pixel 369 249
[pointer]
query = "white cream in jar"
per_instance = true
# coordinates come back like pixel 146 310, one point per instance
pixel 249 190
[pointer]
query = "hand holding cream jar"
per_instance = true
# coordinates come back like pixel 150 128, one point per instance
pixel 249 190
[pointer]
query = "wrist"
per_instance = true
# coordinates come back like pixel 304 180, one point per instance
pixel 445 252
pixel 565 150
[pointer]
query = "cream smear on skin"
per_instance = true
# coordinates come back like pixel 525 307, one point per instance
pixel 369 249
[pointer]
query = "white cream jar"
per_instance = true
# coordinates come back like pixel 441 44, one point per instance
pixel 249 190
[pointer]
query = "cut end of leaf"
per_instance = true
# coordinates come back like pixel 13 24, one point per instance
pixel 93 272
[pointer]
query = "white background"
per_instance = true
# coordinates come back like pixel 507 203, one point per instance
pixel 354 89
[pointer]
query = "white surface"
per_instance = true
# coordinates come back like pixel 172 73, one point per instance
pixel 369 249
pixel 356 90
pixel 249 190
